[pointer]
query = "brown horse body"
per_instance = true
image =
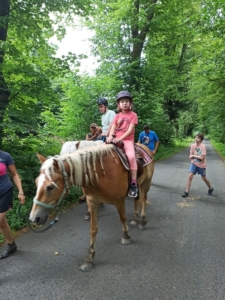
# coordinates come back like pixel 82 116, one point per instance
pixel 104 180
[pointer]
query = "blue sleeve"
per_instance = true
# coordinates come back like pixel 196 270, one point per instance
pixel 140 137
pixel 156 137
pixel 9 160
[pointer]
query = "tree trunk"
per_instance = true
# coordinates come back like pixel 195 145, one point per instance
pixel 139 37
pixel 4 92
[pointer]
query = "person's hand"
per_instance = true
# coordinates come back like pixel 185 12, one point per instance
pixel 21 198
pixel 116 140
pixel 154 152
pixel 109 139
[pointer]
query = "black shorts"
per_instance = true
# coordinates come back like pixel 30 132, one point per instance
pixel 6 201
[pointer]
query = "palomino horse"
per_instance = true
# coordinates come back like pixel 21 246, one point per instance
pixel 104 179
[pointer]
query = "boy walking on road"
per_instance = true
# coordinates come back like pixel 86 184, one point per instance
pixel 198 164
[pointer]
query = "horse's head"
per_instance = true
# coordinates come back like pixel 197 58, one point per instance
pixel 52 186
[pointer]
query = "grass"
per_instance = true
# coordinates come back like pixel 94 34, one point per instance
pixel 220 148
pixel 168 150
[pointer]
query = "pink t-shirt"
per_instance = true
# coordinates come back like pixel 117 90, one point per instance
pixel 123 121
pixel 198 150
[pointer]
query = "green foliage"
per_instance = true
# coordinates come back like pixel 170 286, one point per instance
pixel 78 108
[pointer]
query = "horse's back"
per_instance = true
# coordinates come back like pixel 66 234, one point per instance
pixel 84 144
pixel 68 147
pixel 71 146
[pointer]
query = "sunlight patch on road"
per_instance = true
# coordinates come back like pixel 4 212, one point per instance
pixel 184 204
pixel 194 198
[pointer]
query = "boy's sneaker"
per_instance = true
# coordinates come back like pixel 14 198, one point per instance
pixel 133 191
pixel 10 249
pixel 185 194
pixel 210 191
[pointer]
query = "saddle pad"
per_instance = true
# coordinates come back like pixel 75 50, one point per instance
pixel 141 153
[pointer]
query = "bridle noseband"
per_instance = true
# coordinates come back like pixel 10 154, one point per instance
pixel 65 190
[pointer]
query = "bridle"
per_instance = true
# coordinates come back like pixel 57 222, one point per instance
pixel 65 190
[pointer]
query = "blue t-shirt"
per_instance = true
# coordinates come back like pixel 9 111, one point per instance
pixel 5 161
pixel 149 139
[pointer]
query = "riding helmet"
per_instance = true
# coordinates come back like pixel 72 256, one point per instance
pixel 123 94
pixel 102 101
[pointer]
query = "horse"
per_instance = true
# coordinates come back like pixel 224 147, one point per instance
pixel 104 179
pixel 71 146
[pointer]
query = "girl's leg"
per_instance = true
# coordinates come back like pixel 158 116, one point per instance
pixel 129 150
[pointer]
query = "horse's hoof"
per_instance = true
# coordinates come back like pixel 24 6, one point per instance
pixel 134 222
pixel 86 267
pixel 87 216
pixel 125 241
pixel 142 226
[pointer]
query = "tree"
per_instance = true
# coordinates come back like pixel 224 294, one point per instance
pixel 27 61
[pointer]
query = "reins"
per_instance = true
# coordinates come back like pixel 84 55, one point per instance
pixel 29 223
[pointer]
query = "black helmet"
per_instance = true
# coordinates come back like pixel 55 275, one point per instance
pixel 123 94
pixel 102 101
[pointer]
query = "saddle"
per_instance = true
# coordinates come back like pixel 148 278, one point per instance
pixel 142 157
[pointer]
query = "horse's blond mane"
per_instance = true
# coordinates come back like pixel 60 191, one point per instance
pixel 85 163
pixel 82 164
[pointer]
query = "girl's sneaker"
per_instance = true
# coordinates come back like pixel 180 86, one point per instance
pixel 133 191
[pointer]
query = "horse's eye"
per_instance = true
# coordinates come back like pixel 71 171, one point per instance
pixel 50 187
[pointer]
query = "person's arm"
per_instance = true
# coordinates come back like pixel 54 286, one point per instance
pixel 111 133
pixel 139 139
pixel 201 157
pixel 17 181
pixel 156 147
pixel 92 137
pixel 128 132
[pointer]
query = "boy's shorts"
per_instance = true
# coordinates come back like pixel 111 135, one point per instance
pixel 6 201
pixel 194 169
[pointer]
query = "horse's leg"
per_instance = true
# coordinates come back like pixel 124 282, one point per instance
pixel 126 240
pixel 136 217
pixel 88 261
pixel 143 220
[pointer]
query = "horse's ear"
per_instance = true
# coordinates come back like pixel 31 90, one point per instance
pixel 77 144
pixel 41 158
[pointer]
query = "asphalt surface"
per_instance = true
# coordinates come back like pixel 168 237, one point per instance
pixel 180 255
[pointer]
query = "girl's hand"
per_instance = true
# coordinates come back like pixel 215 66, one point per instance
pixel 21 198
pixel 109 139
pixel 116 140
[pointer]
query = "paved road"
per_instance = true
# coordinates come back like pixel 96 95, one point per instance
pixel 180 255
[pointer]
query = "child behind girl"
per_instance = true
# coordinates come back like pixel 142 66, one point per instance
pixel 123 129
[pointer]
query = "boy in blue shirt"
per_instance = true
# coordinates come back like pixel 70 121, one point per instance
pixel 149 138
